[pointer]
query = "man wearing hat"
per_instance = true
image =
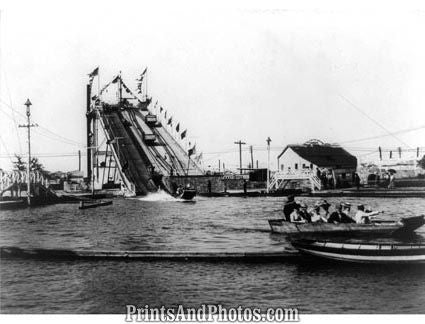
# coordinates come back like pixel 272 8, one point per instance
pixel 289 207
pixel 339 216
pixel 363 217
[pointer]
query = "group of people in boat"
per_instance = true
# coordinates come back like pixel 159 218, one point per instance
pixel 320 213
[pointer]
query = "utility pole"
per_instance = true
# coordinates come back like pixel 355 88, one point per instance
pixel 219 166
pixel 28 126
pixel 79 160
pixel 240 143
pixel 252 157
pixel 268 140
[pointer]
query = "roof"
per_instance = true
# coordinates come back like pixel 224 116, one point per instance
pixel 324 155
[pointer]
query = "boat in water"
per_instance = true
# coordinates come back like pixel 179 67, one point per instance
pixel 363 252
pixel 377 227
pixel 185 194
pixel 86 204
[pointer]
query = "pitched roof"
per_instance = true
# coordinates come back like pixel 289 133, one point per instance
pixel 324 155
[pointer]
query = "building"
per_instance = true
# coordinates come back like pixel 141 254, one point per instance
pixel 331 165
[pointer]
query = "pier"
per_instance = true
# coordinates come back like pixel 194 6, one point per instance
pixel 63 254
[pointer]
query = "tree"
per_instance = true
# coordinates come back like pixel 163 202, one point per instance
pixel 421 162
pixel 21 165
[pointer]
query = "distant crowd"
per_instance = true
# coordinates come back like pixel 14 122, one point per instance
pixel 299 212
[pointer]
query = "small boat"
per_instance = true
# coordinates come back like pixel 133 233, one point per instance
pixel 186 194
pixel 85 204
pixel 363 252
pixel 377 227
pixel 13 204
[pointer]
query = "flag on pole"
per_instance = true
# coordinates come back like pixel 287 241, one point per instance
pixel 192 150
pixel 183 134
pixel 198 158
pixel 93 74
pixel 141 77
pixel 178 127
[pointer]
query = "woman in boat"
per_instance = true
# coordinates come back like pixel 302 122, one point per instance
pixel 316 217
pixel 304 214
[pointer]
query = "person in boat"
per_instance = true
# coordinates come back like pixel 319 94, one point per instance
pixel 364 217
pixel 315 215
pixel 289 207
pixel 325 205
pixel 338 216
pixel 296 215
pixel 303 213
pixel 346 208
pixel 179 190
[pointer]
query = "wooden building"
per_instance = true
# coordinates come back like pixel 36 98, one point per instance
pixel 332 164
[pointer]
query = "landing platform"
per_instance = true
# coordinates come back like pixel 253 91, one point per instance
pixel 63 254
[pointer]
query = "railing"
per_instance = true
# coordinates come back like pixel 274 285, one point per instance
pixel 279 179
pixel 10 178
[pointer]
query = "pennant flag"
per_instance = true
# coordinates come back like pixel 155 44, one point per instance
pixel 178 127
pixel 115 80
pixel 192 150
pixel 94 72
pixel 161 109
pixel 165 116
pixel 183 134
pixel 142 75
pixel 170 120
pixel 198 158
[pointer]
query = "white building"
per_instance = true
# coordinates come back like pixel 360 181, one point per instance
pixel 333 165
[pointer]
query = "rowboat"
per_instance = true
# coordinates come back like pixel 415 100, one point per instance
pixel 363 252
pixel 377 227
pixel 93 204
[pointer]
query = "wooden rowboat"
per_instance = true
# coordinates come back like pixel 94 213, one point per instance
pixel 93 204
pixel 379 227
pixel 364 253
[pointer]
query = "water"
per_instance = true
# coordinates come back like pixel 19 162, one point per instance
pixel 210 224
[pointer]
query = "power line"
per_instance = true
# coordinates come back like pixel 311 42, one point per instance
pixel 373 120
pixel 384 135
pixel 70 141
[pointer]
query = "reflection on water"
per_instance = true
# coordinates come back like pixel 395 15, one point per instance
pixel 210 224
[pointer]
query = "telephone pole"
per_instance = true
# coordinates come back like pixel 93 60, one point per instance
pixel 252 157
pixel 28 126
pixel 268 140
pixel 240 143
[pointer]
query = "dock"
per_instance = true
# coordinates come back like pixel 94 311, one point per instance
pixel 9 252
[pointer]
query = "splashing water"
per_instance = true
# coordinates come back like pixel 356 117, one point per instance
pixel 160 195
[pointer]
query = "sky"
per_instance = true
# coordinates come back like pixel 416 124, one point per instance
pixel 291 71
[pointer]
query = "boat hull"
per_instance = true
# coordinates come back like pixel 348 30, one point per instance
pixel 187 194
pixel 283 227
pixel 363 253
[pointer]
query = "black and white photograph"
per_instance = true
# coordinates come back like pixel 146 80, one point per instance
pixel 238 161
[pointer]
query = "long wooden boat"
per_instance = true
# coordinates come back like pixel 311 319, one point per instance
pixel 93 204
pixel 364 253
pixel 379 227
